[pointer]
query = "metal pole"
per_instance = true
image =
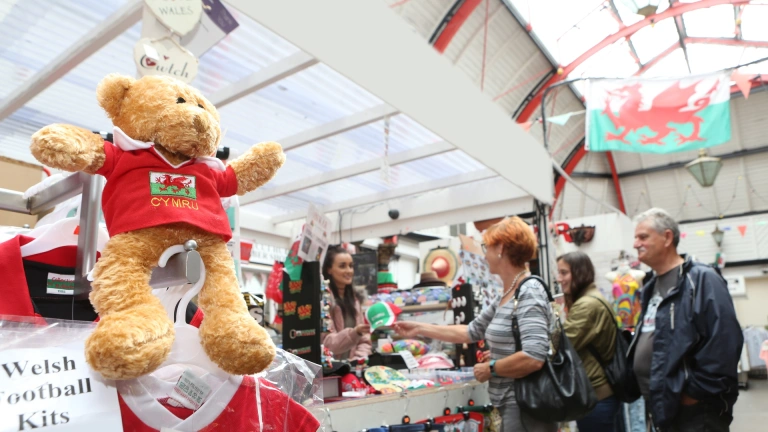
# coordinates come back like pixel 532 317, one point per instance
pixel 87 240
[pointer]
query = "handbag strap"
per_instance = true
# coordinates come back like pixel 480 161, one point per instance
pixel 515 325
pixel 590 347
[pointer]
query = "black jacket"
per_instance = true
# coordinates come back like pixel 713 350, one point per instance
pixel 696 345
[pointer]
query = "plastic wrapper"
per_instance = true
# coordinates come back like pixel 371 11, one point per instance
pixel 43 375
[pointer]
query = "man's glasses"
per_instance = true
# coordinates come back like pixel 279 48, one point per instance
pixel 485 247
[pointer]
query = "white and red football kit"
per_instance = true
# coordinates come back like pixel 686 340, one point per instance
pixel 233 406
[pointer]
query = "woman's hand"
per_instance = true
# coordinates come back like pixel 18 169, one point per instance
pixel 482 372
pixel 407 329
pixel 362 329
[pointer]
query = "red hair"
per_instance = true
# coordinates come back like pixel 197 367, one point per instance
pixel 516 237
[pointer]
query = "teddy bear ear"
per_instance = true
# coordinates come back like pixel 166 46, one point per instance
pixel 111 91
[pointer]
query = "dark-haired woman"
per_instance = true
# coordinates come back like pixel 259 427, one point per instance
pixel 348 335
pixel 590 326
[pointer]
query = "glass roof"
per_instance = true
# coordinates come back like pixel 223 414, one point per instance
pixel 702 40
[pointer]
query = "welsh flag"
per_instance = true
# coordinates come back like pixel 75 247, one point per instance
pixel 658 115
pixel 165 184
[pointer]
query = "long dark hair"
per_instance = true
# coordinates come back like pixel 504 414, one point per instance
pixel 347 304
pixel 582 275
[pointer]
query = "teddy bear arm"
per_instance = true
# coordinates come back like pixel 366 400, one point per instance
pixel 69 148
pixel 257 166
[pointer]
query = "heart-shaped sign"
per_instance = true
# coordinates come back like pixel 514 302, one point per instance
pixel 164 57
pixel 181 16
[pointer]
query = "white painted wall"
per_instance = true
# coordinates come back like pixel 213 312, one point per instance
pixel 613 233
pixel 696 239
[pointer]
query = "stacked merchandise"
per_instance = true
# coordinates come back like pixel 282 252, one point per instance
pixel 386 282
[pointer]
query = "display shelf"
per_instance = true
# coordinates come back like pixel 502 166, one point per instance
pixel 424 308
pixel 389 409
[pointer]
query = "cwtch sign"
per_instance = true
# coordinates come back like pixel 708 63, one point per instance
pixel 54 389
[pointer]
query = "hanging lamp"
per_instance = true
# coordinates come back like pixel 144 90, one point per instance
pixel 645 8
pixel 705 168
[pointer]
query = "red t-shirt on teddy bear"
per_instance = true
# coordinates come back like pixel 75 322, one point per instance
pixel 145 190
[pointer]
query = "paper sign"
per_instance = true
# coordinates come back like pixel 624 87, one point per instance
pixel 410 361
pixel 181 16
pixel 53 388
pixel 172 60
pixel 216 23
pixel 315 237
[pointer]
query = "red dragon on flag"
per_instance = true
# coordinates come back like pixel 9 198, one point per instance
pixel 658 116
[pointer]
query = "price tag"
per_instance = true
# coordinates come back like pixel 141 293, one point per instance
pixel 190 390
pixel 410 361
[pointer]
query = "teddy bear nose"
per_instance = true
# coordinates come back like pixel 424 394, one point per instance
pixel 199 124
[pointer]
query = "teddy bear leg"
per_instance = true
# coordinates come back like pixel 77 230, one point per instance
pixel 230 336
pixel 134 334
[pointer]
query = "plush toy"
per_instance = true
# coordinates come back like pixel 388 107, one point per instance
pixel 163 188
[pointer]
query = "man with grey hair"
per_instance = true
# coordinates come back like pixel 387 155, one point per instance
pixel 687 343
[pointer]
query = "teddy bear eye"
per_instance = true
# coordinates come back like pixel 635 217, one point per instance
pixel 180 100
pixel 200 105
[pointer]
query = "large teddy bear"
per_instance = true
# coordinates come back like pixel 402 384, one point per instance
pixel 163 188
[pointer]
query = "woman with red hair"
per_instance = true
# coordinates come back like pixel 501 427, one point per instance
pixel 508 245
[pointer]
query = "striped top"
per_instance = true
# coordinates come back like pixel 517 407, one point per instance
pixel 534 316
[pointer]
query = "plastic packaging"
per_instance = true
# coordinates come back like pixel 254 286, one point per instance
pixel 286 396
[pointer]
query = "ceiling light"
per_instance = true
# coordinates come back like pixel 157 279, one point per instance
pixel 645 8
pixel 705 168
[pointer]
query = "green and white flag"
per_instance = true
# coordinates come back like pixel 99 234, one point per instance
pixel 658 115
pixel 165 184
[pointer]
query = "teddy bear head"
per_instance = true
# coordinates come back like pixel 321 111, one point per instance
pixel 162 110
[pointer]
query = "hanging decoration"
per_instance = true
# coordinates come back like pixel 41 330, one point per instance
pixel 582 234
pixel 385 159
pixel 743 81
pixel 165 56
pixel 180 16
pixel 658 115
pixel 562 119
pixel 742 230
pixel 443 262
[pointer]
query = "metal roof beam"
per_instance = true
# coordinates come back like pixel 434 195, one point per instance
pixel 447 182
pixel 451 23
pixel 73 56
pixel 677 10
pixel 336 127
pixel 728 42
pixel 263 78
pixel 671 166
pixel 381 53
pixel 682 35
pixel 617 17
pixel 350 171
pixel 661 56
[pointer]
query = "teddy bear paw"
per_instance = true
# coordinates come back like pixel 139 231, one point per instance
pixel 129 344
pixel 236 343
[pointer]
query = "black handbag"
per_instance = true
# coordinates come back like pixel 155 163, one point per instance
pixel 559 391
pixel 616 369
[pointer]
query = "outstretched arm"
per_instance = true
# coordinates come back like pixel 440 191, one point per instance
pixel 69 148
pixel 257 166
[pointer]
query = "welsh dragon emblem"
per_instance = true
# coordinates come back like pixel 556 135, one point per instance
pixel 673 105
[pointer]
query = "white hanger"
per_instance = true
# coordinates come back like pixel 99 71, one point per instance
pixel 186 347
pixel 58 234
